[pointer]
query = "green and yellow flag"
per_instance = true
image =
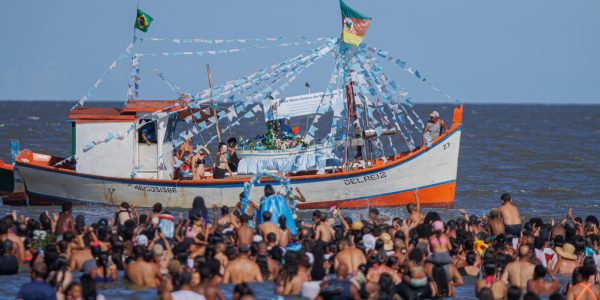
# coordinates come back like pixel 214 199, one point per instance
pixel 354 25
pixel 142 20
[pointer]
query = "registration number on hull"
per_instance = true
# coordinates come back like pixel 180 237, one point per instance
pixel 155 189
pixel 364 179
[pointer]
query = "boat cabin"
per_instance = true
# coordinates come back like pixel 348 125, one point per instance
pixel 107 143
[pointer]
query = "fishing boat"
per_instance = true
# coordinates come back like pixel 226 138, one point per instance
pixel 6 178
pixel 134 153
pixel 429 173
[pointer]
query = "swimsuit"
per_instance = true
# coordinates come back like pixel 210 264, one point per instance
pixel 586 288
pixel 104 279
pixel 514 230
pixel 200 161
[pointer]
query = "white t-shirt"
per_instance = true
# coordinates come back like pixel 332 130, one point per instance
pixel 183 295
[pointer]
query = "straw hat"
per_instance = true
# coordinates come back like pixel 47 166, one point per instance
pixel 567 251
pixel 388 245
pixel 357 225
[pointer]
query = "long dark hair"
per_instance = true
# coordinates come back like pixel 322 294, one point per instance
pixel 387 290
pixel 282 222
pixel 290 268
pixel 269 191
pixel 263 263
pixel 441 280
pixel 199 209
pixel 88 287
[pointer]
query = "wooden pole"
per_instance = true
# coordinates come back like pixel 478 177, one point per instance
pixel 213 102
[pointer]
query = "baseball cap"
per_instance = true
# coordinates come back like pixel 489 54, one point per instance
pixel 434 114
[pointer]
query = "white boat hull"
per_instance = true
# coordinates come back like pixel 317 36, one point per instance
pixel 431 172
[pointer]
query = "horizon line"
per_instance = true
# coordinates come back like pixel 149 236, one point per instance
pixel 515 102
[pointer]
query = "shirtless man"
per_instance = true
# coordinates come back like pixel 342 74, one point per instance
pixel 586 289
pixel 510 215
pixel 141 271
pixel 416 216
pixel 518 272
pixel 244 232
pixel 267 226
pixel 7 234
pixel 242 269
pixel 324 231
pixel 350 256
pixel 496 222
pixel 65 220
pixel 83 260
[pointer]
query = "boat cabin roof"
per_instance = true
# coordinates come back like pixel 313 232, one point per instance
pixel 127 113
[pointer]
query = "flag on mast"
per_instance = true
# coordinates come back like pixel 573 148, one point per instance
pixel 354 25
pixel 142 20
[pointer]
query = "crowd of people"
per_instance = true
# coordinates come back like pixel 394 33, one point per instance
pixel 332 256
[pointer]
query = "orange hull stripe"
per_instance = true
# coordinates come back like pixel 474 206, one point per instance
pixel 435 196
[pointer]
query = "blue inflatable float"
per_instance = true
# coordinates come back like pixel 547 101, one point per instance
pixel 277 205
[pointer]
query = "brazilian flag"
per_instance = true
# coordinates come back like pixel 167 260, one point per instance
pixel 142 20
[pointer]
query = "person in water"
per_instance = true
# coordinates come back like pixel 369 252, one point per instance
pixel 433 128
pixel 510 216
pixel 222 164
pixel 198 163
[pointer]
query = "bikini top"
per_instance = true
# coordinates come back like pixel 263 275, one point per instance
pixel 200 161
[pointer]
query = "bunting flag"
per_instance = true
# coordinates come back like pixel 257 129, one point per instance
pixel 142 21
pixel 354 25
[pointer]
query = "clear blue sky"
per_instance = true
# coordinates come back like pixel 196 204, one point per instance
pixel 478 51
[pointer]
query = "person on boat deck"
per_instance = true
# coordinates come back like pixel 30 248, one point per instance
pixel 433 128
pixel 186 150
pixel 198 162
pixel 233 158
pixel 222 164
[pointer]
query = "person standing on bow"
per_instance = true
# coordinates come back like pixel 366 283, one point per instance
pixel 433 128
pixel 222 164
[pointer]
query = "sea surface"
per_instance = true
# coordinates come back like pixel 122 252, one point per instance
pixel 546 156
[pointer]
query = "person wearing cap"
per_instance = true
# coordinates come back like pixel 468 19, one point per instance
pixel 433 128
pixel 567 260
pixel 439 245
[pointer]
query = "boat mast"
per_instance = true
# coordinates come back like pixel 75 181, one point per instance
pixel 351 104
pixel 214 110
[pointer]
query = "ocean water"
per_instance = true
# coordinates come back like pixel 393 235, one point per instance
pixel 546 156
